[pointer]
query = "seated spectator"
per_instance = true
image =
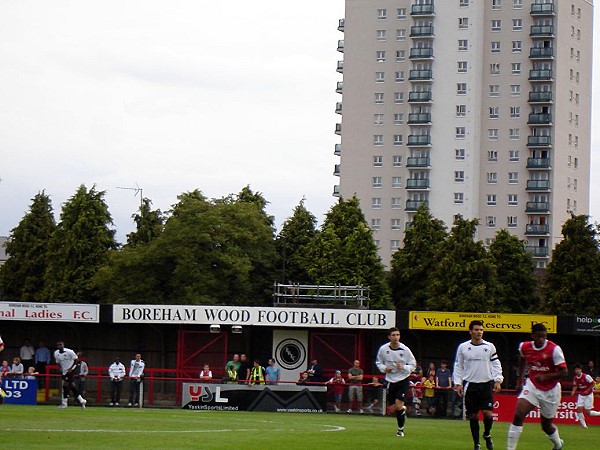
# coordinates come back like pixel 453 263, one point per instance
pixel 206 373
pixel 31 374
pixel 303 378
pixel 16 370
pixel 337 383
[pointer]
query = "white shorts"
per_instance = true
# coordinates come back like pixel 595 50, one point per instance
pixel 585 401
pixel 547 401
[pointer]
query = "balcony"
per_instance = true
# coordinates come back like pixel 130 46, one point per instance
pixel 538 185
pixel 537 252
pixel 413 205
pixel 541 53
pixel 422 10
pixel 339 86
pixel 338 108
pixel 546 9
pixel 537 31
pixel 537 207
pixel 421 53
pixel 537 229
pixel 540 75
pixel 415 140
pixel 421 31
pixel 338 129
pixel 539 141
pixel 337 151
pixel 538 163
pixel 336 170
pixel 540 97
pixel 341 25
pixel 336 190
pixel 419 119
pixel 340 47
pixel 417 184
pixel 419 97
pixel 540 119
pixel 340 67
pixel 415 161
pixel 420 75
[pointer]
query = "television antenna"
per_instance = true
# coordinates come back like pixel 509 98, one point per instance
pixel 137 189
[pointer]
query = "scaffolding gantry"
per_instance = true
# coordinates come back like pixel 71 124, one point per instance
pixel 295 294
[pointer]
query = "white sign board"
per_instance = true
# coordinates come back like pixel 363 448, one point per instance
pixel 50 312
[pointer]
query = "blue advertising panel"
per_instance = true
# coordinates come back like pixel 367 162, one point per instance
pixel 20 391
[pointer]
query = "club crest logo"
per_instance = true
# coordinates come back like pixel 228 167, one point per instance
pixel 290 354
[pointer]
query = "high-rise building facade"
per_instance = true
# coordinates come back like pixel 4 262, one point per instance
pixel 474 107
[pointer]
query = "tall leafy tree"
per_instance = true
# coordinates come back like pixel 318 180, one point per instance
pixel 412 265
pixel 22 276
pixel 573 276
pixel 514 269
pixel 344 252
pixel 149 224
pixel 464 278
pixel 78 247
pixel 292 242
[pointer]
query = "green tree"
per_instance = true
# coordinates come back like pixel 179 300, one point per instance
pixel 22 276
pixel 412 265
pixel 344 252
pixel 78 247
pixel 464 278
pixel 514 269
pixel 149 224
pixel 573 276
pixel 292 243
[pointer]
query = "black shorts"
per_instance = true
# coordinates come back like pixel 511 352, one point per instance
pixel 69 377
pixel 478 397
pixel 397 391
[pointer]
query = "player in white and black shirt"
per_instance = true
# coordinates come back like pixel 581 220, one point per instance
pixel 477 376
pixel 397 362
pixel 68 362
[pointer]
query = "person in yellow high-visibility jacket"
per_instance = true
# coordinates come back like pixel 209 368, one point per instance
pixel 257 374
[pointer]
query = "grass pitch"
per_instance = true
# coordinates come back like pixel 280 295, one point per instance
pixel 36 427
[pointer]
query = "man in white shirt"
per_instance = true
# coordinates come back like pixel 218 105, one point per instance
pixel 477 376
pixel 68 362
pixel 136 375
pixel 116 372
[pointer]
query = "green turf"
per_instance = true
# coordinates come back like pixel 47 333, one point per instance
pixel 35 427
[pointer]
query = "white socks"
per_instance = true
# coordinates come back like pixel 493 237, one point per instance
pixel 513 436
pixel 594 413
pixel 555 438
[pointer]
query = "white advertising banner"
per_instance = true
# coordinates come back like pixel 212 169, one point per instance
pixel 290 349
pixel 50 312
pixel 255 315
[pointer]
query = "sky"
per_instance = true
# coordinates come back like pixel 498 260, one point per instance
pixel 172 96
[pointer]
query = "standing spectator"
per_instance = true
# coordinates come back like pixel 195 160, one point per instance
pixel 273 372
pixel 591 369
pixel 232 375
pixel 42 359
pixel 243 369
pixel 257 375
pixel 443 384
pixel 31 374
pixel 82 373
pixel 355 391
pixel 337 383
pixel 417 373
pixel 235 362
pixel 27 353
pixel 136 375
pixel 17 369
pixel 584 383
pixel 397 361
pixel 429 394
pixel 116 372
pixel 5 368
pixel 375 389
pixel 477 376
pixel 547 366
pixel 67 361
pixel 315 372
pixel 1 344
pixel 430 371
pixel 206 373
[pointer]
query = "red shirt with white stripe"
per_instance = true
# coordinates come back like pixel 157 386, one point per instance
pixel 584 383
pixel 547 359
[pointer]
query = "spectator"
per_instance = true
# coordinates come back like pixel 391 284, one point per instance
pixel 1 344
pixel 116 372
pixel 591 369
pixel 235 361
pixel 303 378
pixel 17 369
pixel 232 375
pixel 596 386
pixel 5 368
pixel 417 373
pixel 375 389
pixel 429 394
pixel 42 359
pixel 31 374
pixel 315 372
pixel 81 373
pixel 430 371
pixel 355 391
pixel 443 383
pixel 243 369
pixel 27 353
pixel 206 373
pixel 136 375
pixel 273 372
pixel 337 388
pixel 257 375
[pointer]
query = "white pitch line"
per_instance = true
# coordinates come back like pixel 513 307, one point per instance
pixel 226 430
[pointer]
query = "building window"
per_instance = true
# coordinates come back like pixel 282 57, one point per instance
pixel 463 23
pixel 459 197
pixel 376 224
pixel 396 203
pixel 401 13
pixel 513 177
pixel 381 35
pixel 517 24
pixel 378 139
pixel 515 68
pixel 492 200
pixel 394 244
pixel 377 182
pixel 495 47
pixel 397 182
pixel 459 153
pixel 515 89
pixel 492 177
pixel 380 56
pixel 490 221
pixel 494 112
pixel 493 134
pixel 461 88
pixel 461 110
pixel 379 98
pixel 513 155
pixel 513 200
pixel 461 132
pixel 462 66
pixel 398 140
pixel 396 224
pixel 495 68
pixel 492 155
pixel 514 133
pixel 379 77
pixel 381 14
pixel 517 46
pixel 496 25
pixel 399 76
pixel 398 119
pixel 398 97
pixel 511 221
pixel 397 160
pixel 517 4
pixel 376 202
pixel 463 45
pixel 377 161
pixel 378 119
pixel 463 2
pixel 515 112
pixel 459 176
pixel 496 4
pixel 494 90
pixel 400 34
pixel 400 55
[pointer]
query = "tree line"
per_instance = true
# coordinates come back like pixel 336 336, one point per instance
pixel 227 251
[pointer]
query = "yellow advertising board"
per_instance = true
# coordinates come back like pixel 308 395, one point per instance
pixel 459 321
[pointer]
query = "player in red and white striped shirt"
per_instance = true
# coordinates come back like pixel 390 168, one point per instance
pixel 584 383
